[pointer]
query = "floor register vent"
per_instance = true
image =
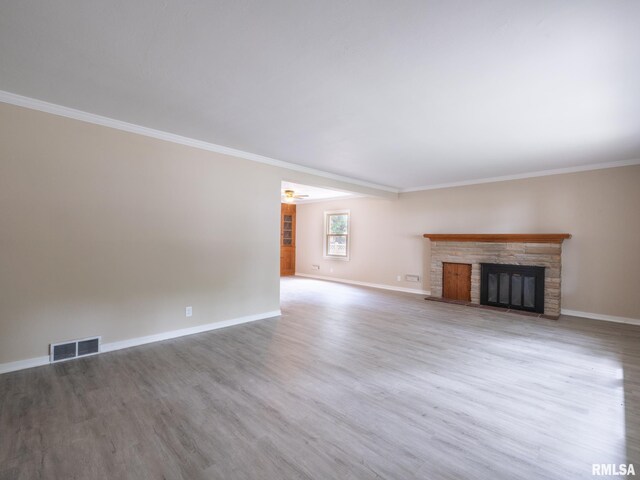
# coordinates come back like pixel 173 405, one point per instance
pixel 74 349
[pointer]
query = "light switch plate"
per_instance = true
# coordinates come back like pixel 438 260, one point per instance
pixel 189 311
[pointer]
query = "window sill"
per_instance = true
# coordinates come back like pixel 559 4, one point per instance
pixel 340 259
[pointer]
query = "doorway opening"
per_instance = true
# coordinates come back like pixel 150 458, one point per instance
pixel 299 239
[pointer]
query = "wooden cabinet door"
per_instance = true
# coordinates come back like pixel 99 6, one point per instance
pixel 287 261
pixel 456 281
pixel 449 281
pixel 287 239
pixel 464 282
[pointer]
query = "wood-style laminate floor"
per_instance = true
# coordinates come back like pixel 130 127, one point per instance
pixel 350 383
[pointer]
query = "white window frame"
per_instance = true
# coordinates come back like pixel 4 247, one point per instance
pixel 325 235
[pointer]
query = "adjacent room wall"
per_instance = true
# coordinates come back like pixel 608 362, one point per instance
pixel 601 263
pixel 104 232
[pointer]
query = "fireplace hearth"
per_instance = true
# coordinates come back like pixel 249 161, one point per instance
pixel 517 287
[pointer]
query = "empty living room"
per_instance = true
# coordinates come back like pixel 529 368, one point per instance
pixel 320 240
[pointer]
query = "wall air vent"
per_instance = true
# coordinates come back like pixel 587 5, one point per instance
pixel 74 349
pixel 87 347
pixel 63 351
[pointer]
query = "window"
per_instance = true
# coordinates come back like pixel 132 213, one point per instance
pixel 336 234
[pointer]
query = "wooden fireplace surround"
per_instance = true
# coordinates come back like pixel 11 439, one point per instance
pixel 498 237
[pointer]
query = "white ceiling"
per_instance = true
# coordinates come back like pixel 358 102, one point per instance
pixel 314 194
pixel 400 93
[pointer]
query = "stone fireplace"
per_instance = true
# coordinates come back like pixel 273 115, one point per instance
pixel 513 250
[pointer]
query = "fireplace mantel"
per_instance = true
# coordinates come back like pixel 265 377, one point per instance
pixel 498 237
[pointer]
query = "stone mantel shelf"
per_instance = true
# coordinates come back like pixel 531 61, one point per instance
pixel 498 237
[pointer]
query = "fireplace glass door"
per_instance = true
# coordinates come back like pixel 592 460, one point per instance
pixel 519 287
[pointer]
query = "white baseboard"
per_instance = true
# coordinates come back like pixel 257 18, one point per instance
pixel 366 284
pixel 573 313
pixel 132 342
pixel 22 364
pixel 599 316
pixel 112 346
pixel 158 337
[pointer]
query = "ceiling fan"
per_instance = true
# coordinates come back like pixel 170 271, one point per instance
pixel 290 196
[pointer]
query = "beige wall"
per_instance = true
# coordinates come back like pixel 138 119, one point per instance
pixel 601 263
pixel 108 233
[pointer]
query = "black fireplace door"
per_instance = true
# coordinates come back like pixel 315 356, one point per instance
pixel 520 287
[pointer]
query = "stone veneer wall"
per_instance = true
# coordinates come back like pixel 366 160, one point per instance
pixel 539 254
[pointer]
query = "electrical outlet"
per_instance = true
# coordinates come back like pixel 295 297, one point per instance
pixel 399 278
pixel 189 311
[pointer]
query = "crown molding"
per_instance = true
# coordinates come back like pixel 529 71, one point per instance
pixel 52 108
pixel 520 176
